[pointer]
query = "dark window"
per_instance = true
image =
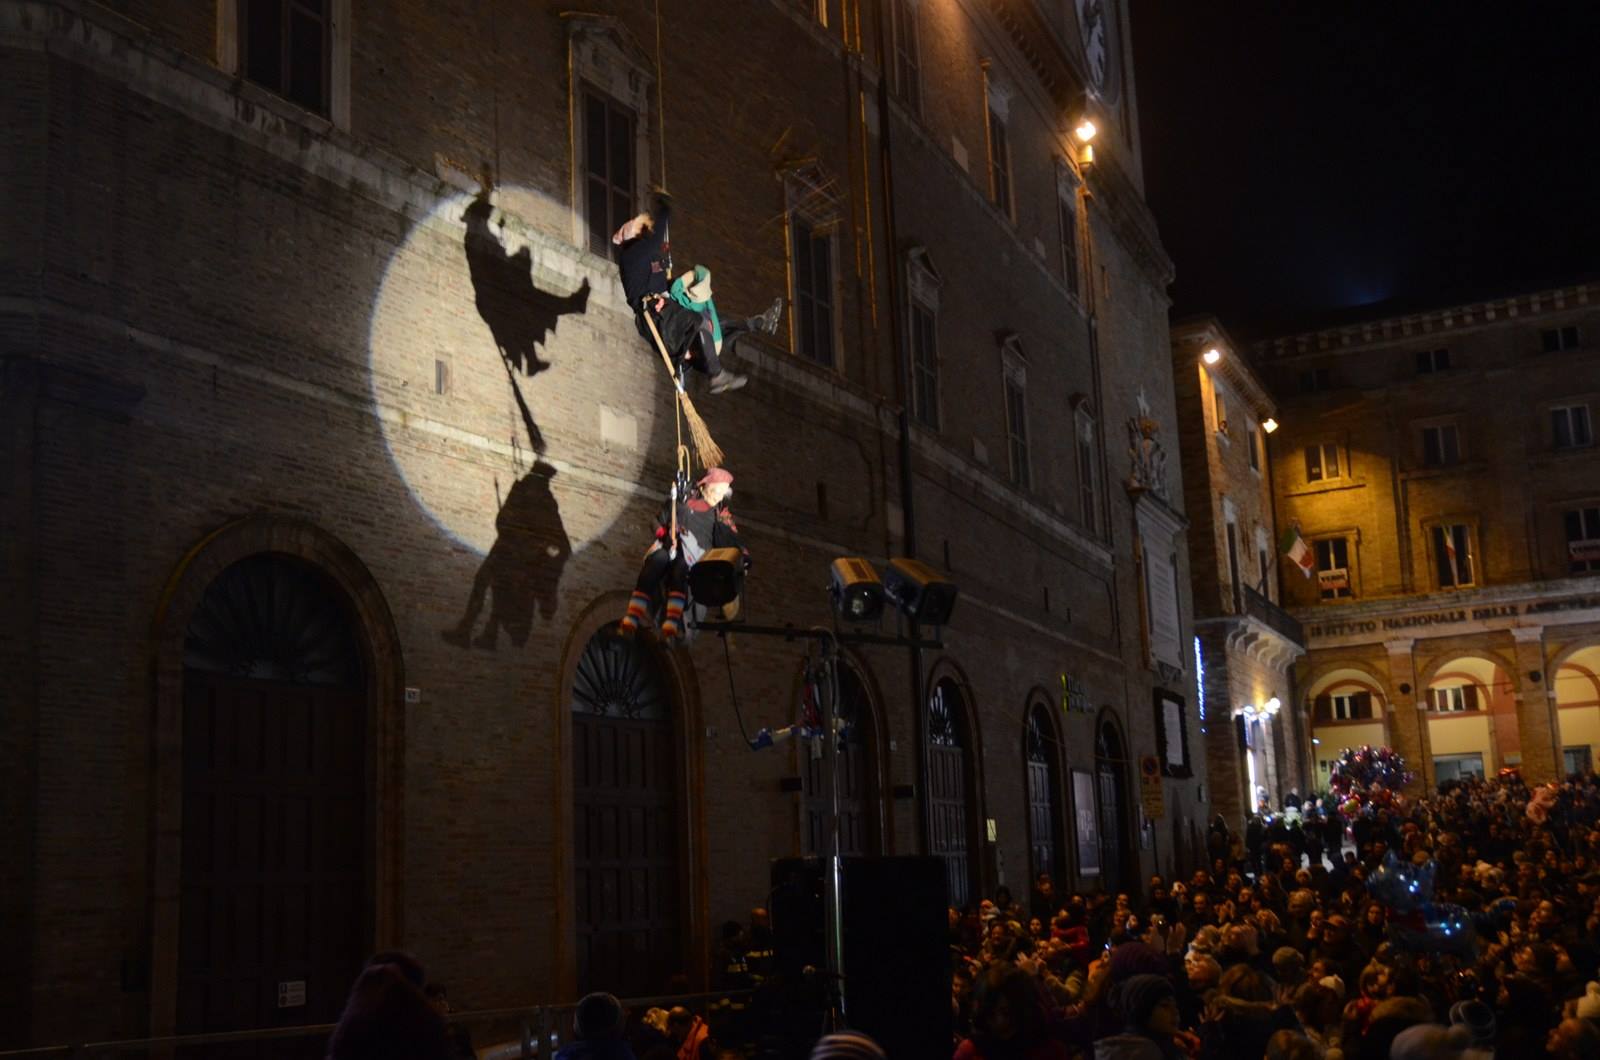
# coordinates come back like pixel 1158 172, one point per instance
pixel 608 169
pixel 1069 243
pixel 1430 361
pixel 1452 555
pixel 1583 540
pixel 907 57
pixel 287 47
pixel 924 366
pixel 1441 445
pixel 813 292
pixel 1344 706
pixel 1333 568
pixel 1313 380
pixel 1570 428
pixel 1322 462
pixel 1264 564
pixel 999 163
pixel 1255 448
pixel 1553 339
pixel 1017 430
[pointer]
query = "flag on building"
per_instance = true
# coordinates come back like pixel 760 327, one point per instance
pixel 1450 552
pixel 1300 554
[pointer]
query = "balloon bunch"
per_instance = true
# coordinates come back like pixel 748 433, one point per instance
pixel 1416 922
pixel 1366 778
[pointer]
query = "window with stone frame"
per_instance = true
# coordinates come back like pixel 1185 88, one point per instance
pixel 1067 214
pixel 1441 445
pixel 1322 462
pixel 1254 433
pixel 1349 704
pixel 813 207
pixel 1582 530
pixel 1453 699
pixel 1553 340
pixel 1014 380
pixel 1433 361
pixel 1570 427
pixel 997 114
pixel 1454 565
pixel 612 81
pixel 608 169
pixel 907 52
pixel 922 335
pixel 287 47
pixel 1334 581
pixel 1088 482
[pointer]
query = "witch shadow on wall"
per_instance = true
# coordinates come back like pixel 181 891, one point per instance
pixel 522 570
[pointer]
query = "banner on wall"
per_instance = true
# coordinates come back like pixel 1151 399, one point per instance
pixel 1087 833
pixel 1151 795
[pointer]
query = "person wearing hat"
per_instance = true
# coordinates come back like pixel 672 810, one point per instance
pixel 598 1024
pixel 702 522
pixel 682 309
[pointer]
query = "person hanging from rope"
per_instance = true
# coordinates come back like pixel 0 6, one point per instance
pixel 682 536
pixel 682 308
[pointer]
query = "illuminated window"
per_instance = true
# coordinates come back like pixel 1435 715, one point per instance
pixel 1453 699
pixel 1333 568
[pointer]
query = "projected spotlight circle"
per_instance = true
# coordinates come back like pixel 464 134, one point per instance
pixel 503 367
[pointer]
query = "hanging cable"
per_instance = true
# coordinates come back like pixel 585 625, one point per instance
pixel 733 692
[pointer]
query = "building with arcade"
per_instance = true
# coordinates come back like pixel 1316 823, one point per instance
pixel 1441 467
pixel 328 450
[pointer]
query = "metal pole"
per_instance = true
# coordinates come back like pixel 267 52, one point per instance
pixel 831 881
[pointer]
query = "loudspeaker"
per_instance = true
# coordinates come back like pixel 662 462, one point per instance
pixel 896 944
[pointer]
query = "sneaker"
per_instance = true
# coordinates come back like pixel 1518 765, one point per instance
pixel 725 380
pixel 767 322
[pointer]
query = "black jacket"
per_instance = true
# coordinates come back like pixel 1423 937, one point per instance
pixel 646 261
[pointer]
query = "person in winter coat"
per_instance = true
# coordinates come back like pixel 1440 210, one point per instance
pixel 388 1017
pixel 1148 1007
pixel 1008 1020
pixel 702 522
pixel 598 1024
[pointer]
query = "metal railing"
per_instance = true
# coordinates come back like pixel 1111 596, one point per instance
pixel 549 1024
pixel 1272 616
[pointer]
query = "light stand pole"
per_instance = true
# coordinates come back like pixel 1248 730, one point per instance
pixel 828 677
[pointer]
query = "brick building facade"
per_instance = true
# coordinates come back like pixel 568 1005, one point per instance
pixel 322 469
pixel 1441 465
pixel 1245 643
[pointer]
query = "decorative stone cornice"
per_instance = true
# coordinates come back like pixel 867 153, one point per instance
pixel 1249 636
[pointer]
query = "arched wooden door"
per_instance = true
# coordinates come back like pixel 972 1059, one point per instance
pixel 1042 760
pixel 274 892
pixel 952 821
pixel 1111 773
pixel 627 874
pixel 858 776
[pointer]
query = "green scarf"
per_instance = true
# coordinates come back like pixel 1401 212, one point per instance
pixel 680 294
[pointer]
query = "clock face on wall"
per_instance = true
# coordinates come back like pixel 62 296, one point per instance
pixel 1096 24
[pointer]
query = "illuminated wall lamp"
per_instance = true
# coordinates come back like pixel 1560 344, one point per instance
pixel 1251 712
pixel 1085 133
pixel 1211 356
pixel 1269 424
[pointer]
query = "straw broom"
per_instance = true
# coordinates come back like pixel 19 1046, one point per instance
pixel 705 447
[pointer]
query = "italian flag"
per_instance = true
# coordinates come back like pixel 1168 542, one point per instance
pixel 1294 546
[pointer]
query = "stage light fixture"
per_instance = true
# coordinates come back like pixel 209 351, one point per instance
pixel 856 589
pixel 1212 356
pixel 920 591
pixel 717 577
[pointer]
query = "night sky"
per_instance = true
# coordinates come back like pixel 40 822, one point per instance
pixel 1311 161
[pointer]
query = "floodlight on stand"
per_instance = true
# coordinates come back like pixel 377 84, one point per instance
pixel 856 589
pixel 717 577
pixel 920 591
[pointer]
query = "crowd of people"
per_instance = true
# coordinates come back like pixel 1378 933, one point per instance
pixel 1279 949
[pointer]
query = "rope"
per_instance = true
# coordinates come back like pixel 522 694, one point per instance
pixel 661 107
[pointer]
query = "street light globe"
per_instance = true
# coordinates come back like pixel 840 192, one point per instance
pixel 1269 425
pixel 1212 356
pixel 1272 705
pixel 1085 130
